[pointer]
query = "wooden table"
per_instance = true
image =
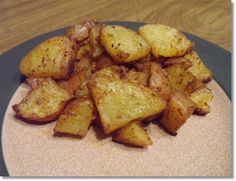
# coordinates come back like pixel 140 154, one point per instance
pixel 21 20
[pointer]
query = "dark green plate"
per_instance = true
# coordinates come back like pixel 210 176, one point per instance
pixel 217 60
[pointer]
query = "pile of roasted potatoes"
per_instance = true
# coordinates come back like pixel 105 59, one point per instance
pixel 117 79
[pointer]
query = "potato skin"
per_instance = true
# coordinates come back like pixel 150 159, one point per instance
pixel 123 44
pixel 178 110
pixel 43 103
pixel 76 118
pixel 119 102
pixel 52 58
pixel 132 134
pixel 165 41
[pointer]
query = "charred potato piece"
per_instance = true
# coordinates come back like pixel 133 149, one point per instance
pixel 159 81
pixel 124 45
pixel 132 134
pixel 44 103
pixel 119 102
pixel 76 118
pixel 182 80
pixel 186 64
pixel 52 58
pixel 198 69
pixel 165 40
pixel 202 98
pixel 178 110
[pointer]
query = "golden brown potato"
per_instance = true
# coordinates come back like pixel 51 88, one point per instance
pixel 79 78
pixel 198 69
pixel 124 45
pixel 132 134
pixel 52 58
pixel 44 103
pixel 202 98
pixel 76 118
pixel 159 82
pixel 186 64
pixel 119 102
pixel 104 61
pixel 178 110
pixel 182 80
pixel 140 78
pixel 165 40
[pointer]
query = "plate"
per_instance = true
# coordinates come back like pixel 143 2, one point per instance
pixel 202 148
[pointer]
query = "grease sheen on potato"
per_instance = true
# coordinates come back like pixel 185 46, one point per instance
pixel 51 58
pixel 123 44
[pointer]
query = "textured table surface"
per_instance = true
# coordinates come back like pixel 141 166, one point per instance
pixel 22 20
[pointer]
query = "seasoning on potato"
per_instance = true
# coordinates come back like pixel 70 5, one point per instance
pixel 120 79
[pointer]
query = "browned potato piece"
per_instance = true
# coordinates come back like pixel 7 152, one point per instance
pixel 182 80
pixel 202 98
pixel 83 52
pixel 52 58
pixel 159 81
pixel 80 76
pixel 43 103
pixel 132 134
pixel 178 110
pixel 34 82
pixel 140 78
pixel 76 118
pixel 165 41
pixel 124 45
pixel 103 62
pixel 119 102
pixel 198 69
pixel 186 64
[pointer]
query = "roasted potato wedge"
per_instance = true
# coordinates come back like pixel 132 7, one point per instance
pixel 182 80
pixel 52 58
pixel 124 45
pixel 159 82
pixel 165 40
pixel 202 98
pixel 178 110
pixel 112 72
pixel 119 102
pixel 44 103
pixel 198 69
pixel 76 118
pixel 83 52
pixel 132 134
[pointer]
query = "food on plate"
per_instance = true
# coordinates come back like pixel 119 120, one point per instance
pixel 159 81
pixel 202 98
pixel 198 69
pixel 51 58
pixel 119 102
pixel 76 118
pixel 132 134
pixel 124 45
pixel 182 80
pixel 43 103
pixel 177 111
pixel 117 79
pixel 165 40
